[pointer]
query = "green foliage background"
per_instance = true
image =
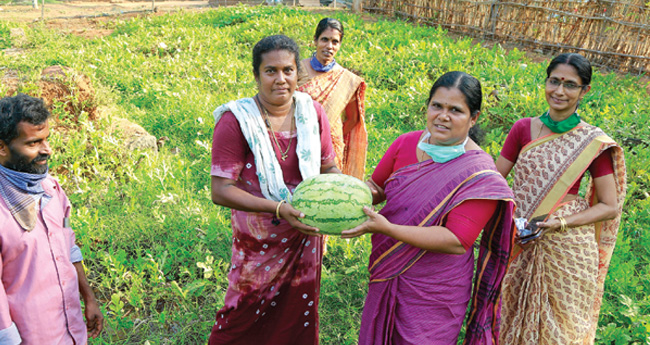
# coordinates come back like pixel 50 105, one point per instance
pixel 157 250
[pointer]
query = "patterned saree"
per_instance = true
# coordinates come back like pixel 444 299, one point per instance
pixel 274 279
pixel 421 297
pixel 342 94
pixel 553 290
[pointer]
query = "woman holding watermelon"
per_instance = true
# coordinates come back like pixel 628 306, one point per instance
pixel 274 281
pixel 441 190
pixel 554 286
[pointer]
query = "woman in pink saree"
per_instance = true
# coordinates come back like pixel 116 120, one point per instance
pixel 274 280
pixel 441 191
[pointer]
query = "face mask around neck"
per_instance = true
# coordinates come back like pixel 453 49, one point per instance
pixel 441 154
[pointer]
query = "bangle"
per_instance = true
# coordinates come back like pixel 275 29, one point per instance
pixel 277 209
pixel 563 224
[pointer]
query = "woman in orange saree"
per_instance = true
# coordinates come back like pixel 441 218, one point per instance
pixel 342 94
pixel 553 289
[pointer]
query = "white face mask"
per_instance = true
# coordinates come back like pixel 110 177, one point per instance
pixel 441 154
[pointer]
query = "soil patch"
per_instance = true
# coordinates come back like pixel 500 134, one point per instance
pixel 73 11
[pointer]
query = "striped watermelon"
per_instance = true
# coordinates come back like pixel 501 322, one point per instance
pixel 332 202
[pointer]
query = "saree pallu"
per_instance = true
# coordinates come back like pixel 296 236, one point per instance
pixel 274 285
pixel 421 297
pixel 339 91
pixel 553 290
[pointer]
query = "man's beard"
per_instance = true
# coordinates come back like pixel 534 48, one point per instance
pixel 19 162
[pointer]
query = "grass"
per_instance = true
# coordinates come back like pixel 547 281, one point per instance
pixel 157 250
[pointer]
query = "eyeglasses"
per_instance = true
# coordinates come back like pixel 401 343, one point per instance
pixel 554 83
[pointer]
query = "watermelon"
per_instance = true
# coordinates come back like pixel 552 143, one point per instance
pixel 332 202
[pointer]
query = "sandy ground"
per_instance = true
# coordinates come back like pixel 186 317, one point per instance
pixel 68 10
pixel 88 18
pixel 76 9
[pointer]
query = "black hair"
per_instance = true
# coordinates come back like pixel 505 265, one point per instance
pixel 273 43
pixel 328 23
pixel 577 61
pixel 16 109
pixel 470 87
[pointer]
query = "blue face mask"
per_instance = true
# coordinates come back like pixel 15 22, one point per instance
pixel 441 154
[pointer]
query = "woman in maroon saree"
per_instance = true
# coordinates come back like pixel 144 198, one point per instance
pixel 274 280
pixel 441 190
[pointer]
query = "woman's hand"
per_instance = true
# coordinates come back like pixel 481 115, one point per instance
pixel 376 223
pixel 552 224
pixel 531 230
pixel 542 228
pixel 292 216
pixel 376 191
pixel 528 243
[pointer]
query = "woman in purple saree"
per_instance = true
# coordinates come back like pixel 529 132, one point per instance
pixel 441 190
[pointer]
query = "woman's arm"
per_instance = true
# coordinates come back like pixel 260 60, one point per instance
pixel 330 168
pixel 226 193
pixel 518 137
pixel 432 238
pixel 504 166
pixel 605 209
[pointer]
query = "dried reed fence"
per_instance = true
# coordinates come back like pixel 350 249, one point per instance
pixel 217 3
pixel 611 33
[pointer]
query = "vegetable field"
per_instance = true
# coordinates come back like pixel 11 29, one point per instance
pixel 157 250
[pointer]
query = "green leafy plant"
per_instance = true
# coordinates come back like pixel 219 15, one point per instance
pixel 5 38
pixel 156 248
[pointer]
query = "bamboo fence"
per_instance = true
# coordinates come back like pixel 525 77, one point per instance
pixel 610 33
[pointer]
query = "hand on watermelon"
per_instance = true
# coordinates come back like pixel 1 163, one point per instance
pixel 376 191
pixel 293 216
pixel 376 223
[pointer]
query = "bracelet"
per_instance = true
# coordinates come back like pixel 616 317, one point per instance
pixel 277 209
pixel 563 224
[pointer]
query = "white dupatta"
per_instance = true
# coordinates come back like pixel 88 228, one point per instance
pixel 252 126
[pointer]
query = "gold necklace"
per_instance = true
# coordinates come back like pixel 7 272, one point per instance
pixel 283 155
